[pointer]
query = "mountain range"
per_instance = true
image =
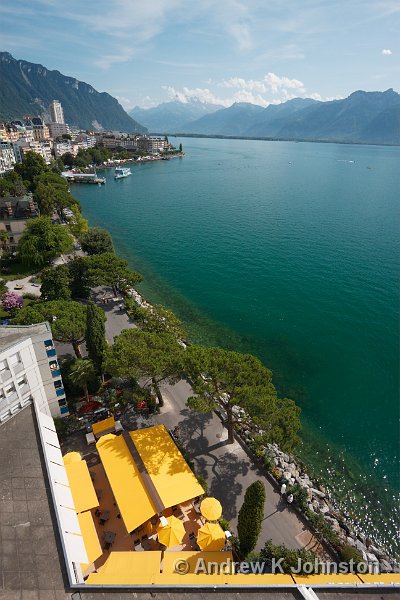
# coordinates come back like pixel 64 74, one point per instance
pixel 172 116
pixel 363 117
pixel 27 89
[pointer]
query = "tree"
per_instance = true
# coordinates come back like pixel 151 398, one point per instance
pixel 79 285
pixel 272 553
pixel 96 336
pixel 11 184
pixel 12 302
pixel 154 357
pixel 68 159
pixel 108 269
pixel 77 224
pixel 56 283
pixel 250 517
pixel 180 147
pixel 42 241
pixel 52 194
pixel 158 319
pixel 224 379
pixel 4 237
pixel 32 166
pixel 67 320
pixel 81 372
pixel 96 241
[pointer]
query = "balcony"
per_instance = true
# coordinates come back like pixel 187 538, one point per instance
pixel 51 352
pixel 5 375
pixel 18 367
pixel 64 410
pixel 60 392
pixel 56 373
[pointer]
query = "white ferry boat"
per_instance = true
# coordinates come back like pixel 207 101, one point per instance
pixel 121 172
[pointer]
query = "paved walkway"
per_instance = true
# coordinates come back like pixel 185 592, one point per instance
pixel 228 470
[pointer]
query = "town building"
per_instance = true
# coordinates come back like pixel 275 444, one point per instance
pixel 58 129
pixel 7 157
pixel 14 215
pixel 56 112
pixel 43 148
pixel 29 371
pixel 40 129
pixel 151 144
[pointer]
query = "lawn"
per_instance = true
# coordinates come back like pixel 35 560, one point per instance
pixel 15 270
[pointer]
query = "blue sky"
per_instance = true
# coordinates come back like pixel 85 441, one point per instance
pixel 219 51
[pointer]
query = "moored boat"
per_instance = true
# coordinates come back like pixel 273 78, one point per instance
pixel 121 172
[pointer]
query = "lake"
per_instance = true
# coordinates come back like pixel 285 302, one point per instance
pixel 289 251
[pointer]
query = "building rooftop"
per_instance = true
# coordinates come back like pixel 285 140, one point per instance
pixel 11 334
pixel 18 208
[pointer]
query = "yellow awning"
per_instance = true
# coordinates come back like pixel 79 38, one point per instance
pixel 90 537
pixel 258 579
pixel 172 572
pixel 385 578
pixel 83 492
pixel 168 470
pixel 108 423
pixel 72 457
pixel 325 579
pixel 133 500
pixel 128 568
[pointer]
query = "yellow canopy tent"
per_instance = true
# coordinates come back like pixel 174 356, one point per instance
pixel 72 457
pixel 172 533
pixel 105 425
pixel 211 509
pixel 211 537
pixel 82 490
pixel 128 568
pixel 90 537
pixel 131 495
pixel 168 470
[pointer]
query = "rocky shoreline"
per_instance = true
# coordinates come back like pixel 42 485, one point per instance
pixel 285 468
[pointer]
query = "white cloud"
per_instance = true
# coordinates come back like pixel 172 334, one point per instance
pixel 386 52
pixel 270 89
pixel 126 103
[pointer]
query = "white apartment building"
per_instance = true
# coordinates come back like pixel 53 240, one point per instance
pixel 7 157
pixel 56 112
pixel 29 371
pixel 58 129
pixel 153 145
pixel 44 148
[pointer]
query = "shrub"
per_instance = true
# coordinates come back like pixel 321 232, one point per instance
pixel 348 553
pixel 250 517
pixel 224 524
pixel 300 496
pixel 12 302
pixel 202 482
pixel 290 557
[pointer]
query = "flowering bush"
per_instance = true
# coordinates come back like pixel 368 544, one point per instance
pixel 12 302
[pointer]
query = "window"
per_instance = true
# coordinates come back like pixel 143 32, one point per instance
pixel 15 359
pixel 49 344
pixel 3 365
pixel 58 384
pixel 8 227
pixel 22 381
pixel 10 389
pixel 2 394
pixel 53 364
pixel 62 402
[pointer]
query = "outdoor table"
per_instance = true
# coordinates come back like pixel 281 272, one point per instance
pixel 109 536
pixel 104 516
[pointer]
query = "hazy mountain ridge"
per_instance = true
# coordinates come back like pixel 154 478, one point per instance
pixel 28 88
pixel 363 117
pixel 172 116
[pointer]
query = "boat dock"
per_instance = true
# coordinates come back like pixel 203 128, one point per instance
pixel 72 177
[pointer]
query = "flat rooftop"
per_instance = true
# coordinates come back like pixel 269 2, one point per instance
pixel 11 334
pixel 31 559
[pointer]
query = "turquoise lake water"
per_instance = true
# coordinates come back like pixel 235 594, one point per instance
pixel 289 251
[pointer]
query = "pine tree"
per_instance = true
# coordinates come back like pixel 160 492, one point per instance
pixel 96 336
pixel 250 517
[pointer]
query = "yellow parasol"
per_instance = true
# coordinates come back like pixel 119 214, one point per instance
pixel 211 509
pixel 172 534
pixel 211 537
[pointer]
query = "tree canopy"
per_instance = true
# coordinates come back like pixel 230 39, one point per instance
pixel 32 166
pixel 224 379
pixel 96 336
pixel 158 319
pixel 67 320
pixel 42 241
pixel 96 241
pixel 108 269
pixel 81 372
pixel 52 194
pixel 154 357
pixel 56 283
pixel 250 517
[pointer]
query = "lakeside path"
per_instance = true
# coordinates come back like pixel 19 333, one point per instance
pixel 226 467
